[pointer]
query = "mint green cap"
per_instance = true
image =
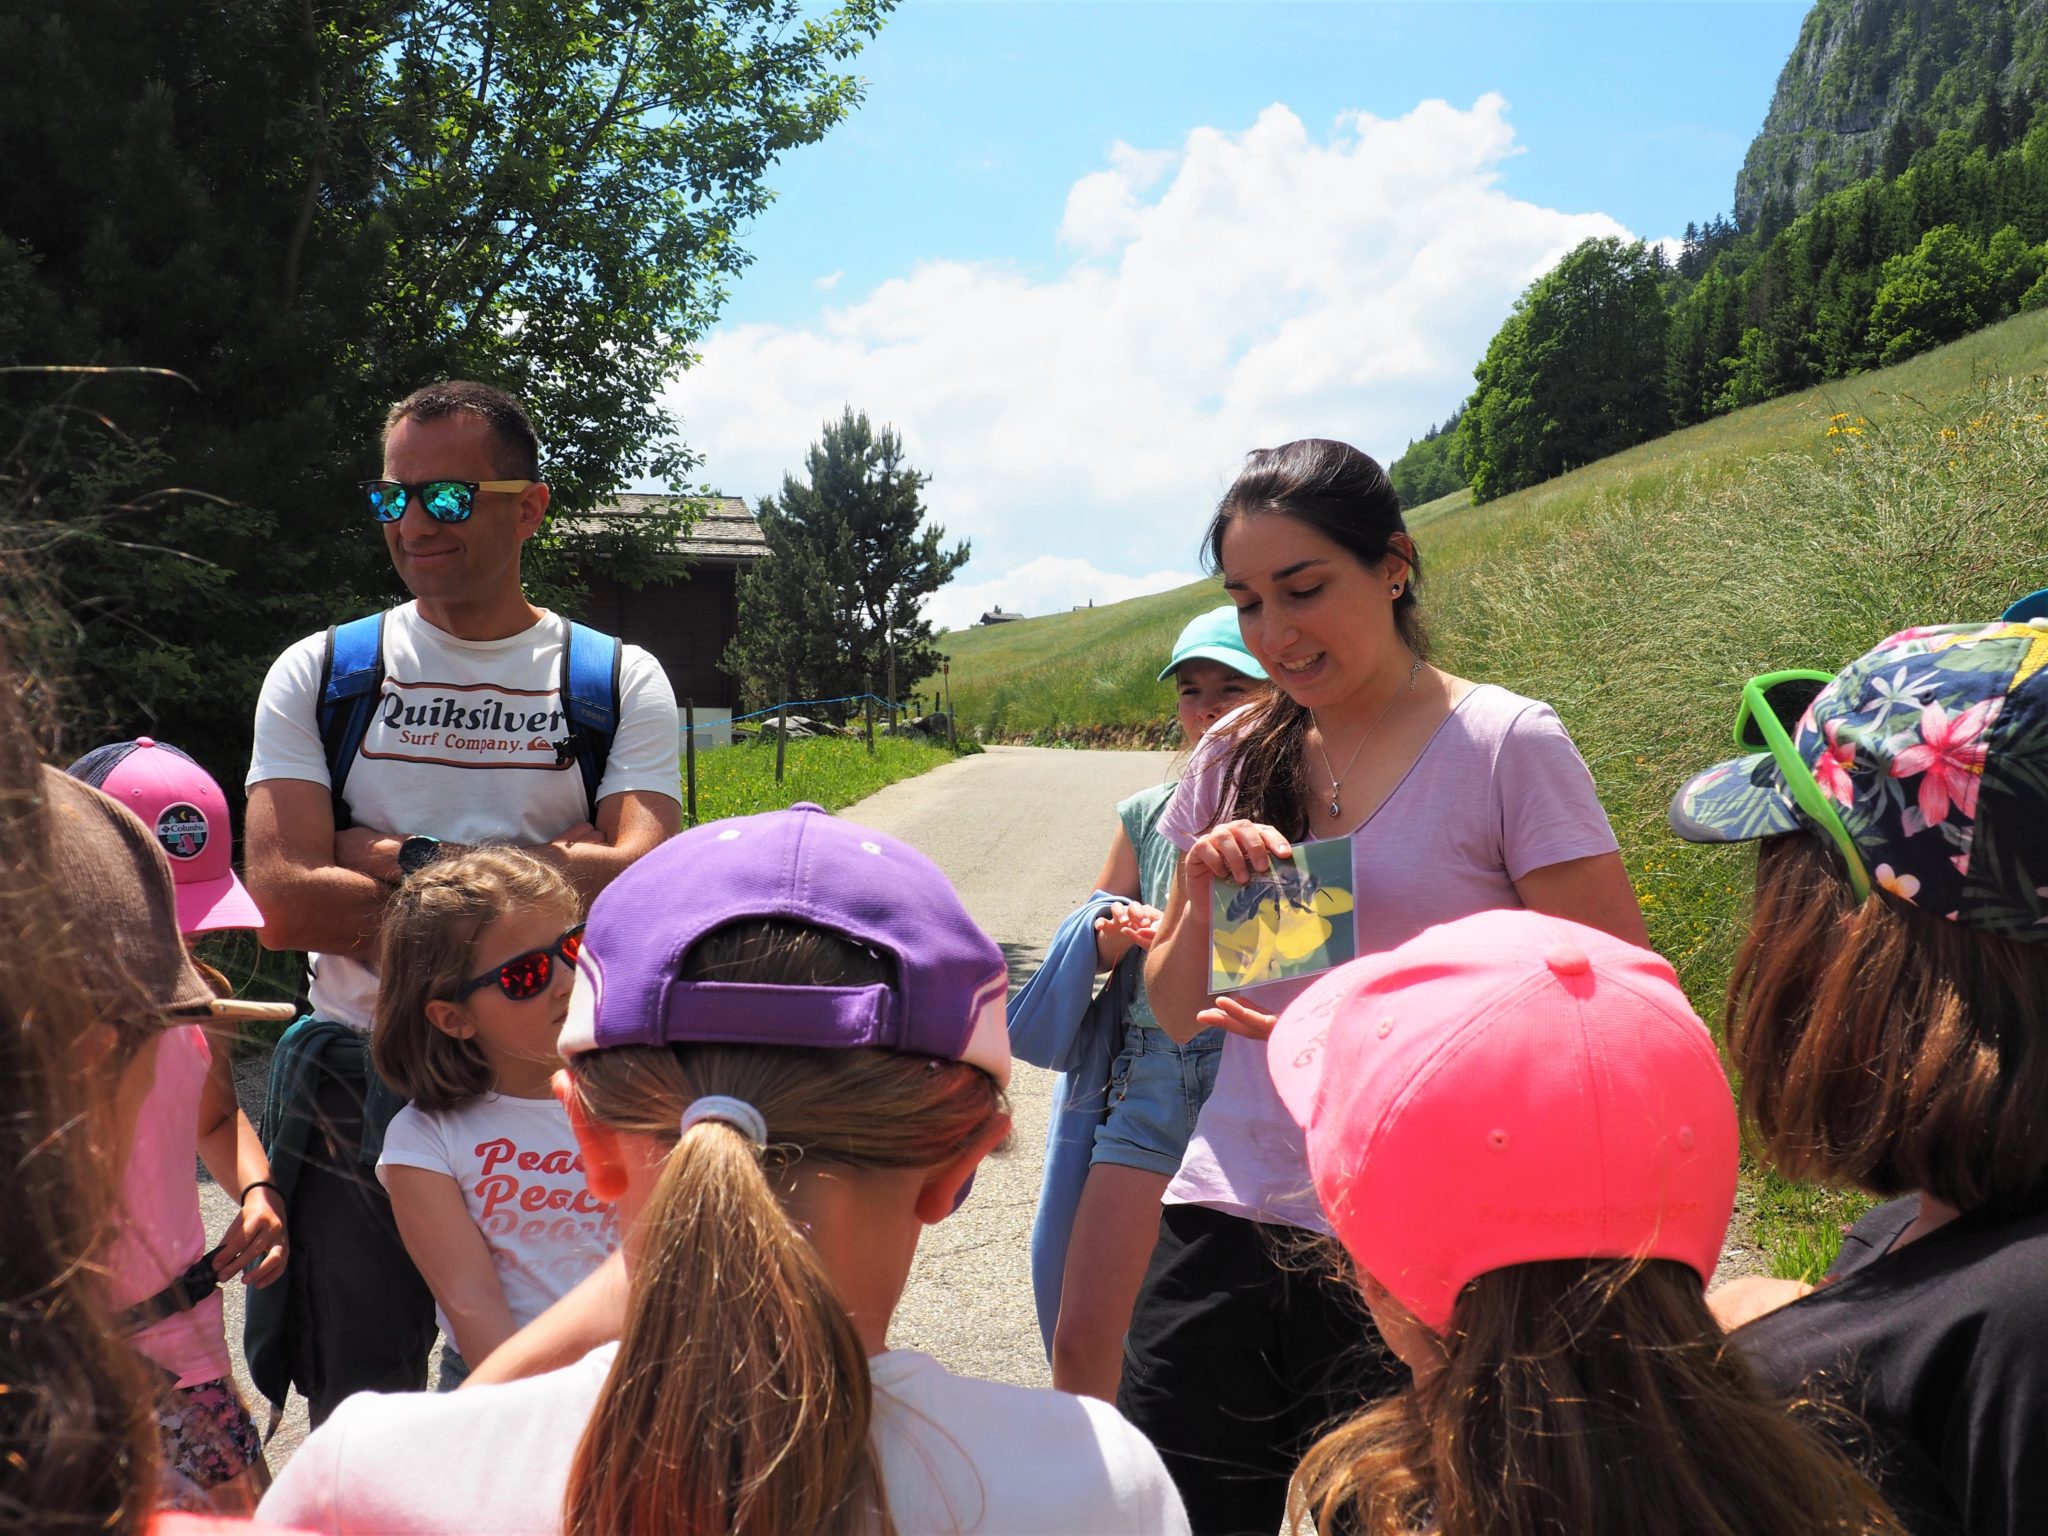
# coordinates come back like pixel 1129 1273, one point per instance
pixel 1214 637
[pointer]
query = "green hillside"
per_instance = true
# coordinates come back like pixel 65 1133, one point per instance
pixel 1638 594
pixel 1049 678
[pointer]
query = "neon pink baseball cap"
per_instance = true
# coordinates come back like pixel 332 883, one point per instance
pixel 1506 1089
pixel 182 805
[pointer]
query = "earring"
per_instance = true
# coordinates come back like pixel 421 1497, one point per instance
pixel 1395 589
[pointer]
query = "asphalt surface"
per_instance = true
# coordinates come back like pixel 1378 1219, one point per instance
pixel 1021 831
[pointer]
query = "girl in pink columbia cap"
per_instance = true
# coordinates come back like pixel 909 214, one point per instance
pixel 786 1057
pixel 166 1277
pixel 1522 1136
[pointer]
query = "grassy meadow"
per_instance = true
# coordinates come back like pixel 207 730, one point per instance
pixel 828 770
pixel 1636 595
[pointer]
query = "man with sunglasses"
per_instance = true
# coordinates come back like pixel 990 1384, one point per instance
pixel 466 740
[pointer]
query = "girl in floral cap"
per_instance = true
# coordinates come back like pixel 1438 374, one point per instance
pixel 1889 1016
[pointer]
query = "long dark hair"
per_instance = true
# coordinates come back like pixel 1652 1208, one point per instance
pixel 1884 1047
pixel 1346 497
pixel 78 1442
pixel 1591 1396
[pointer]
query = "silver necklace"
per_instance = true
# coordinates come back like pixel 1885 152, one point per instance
pixel 1337 779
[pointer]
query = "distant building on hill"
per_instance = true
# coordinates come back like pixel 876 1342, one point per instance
pixel 996 615
pixel 686 622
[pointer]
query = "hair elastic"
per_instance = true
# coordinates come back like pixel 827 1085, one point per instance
pixel 737 1113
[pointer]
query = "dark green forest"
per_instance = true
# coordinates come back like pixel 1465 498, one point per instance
pixel 1945 233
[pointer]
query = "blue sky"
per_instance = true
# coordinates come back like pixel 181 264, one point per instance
pixel 1083 255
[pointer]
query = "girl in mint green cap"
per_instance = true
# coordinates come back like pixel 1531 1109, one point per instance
pixel 1156 1086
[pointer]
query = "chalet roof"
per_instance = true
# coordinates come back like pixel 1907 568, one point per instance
pixel 725 532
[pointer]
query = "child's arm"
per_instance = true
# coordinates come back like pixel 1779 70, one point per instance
pixel 592 1313
pixel 452 1256
pixel 233 1154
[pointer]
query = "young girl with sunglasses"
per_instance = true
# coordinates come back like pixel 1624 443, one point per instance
pixel 477 957
pixel 786 1057
pixel 1888 1013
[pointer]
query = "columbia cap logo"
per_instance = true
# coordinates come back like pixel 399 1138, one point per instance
pixel 181 828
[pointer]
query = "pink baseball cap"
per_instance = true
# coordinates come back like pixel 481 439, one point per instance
pixel 1506 1089
pixel 182 805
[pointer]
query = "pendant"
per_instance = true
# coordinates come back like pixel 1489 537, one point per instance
pixel 1333 806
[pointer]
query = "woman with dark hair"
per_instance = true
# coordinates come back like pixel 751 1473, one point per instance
pixel 1889 1016
pixel 1458 797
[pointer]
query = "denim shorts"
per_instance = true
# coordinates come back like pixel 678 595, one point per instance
pixel 1156 1089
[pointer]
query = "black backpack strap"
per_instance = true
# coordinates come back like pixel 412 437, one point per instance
pixel 591 665
pixel 351 681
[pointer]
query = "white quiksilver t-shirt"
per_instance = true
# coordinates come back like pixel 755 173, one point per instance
pixel 461 747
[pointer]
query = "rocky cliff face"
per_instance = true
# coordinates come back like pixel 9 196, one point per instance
pixel 1866 70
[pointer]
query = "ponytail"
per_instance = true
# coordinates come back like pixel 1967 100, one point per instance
pixel 740 1387
pixel 739 1403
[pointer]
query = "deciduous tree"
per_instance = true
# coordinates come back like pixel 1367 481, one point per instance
pixel 307 209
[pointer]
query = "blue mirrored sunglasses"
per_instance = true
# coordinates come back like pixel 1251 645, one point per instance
pixel 445 501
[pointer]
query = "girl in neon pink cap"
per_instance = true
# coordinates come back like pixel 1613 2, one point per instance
pixel 1523 1138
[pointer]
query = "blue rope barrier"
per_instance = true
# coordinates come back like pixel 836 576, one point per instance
pixel 851 698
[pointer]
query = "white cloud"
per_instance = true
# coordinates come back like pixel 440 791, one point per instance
pixel 829 281
pixel 1048 584
pixel 1241 290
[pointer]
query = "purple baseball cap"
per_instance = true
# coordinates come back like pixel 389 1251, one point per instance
pixel 808 866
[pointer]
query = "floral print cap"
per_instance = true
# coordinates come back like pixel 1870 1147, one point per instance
pixel 1934 748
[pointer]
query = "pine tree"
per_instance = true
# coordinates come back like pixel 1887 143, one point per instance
pixel 851 562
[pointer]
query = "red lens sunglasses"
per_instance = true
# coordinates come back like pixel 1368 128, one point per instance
pixel 528 975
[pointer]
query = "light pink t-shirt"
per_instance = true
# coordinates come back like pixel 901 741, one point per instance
pixel 161 1230
pixel 1498 791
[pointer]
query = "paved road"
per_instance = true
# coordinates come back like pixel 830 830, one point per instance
pixel 1021 831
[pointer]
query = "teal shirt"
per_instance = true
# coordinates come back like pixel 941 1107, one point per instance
pixel 1157 860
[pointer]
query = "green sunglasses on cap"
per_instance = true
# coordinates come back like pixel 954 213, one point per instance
pixel 1767 703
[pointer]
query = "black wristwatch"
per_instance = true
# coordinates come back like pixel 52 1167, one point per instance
pixel 417 852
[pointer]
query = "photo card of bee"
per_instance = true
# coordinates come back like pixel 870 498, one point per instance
pixel 1296 919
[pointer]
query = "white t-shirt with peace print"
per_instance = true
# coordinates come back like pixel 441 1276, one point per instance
pixel 461 747
pixel 516 1163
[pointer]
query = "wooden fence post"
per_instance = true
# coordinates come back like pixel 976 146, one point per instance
pixel 690 758
pixel 867 710
pixel 781 737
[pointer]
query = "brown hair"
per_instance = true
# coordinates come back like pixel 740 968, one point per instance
pixel 1346 497
pixel 1590 1396
pixel 426 952
pixel 740 1384
pixel 1884 1047
pixel 78 1443
pixel 518 443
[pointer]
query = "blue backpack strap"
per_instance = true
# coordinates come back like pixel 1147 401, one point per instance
pixel 591 662
pixel 351 679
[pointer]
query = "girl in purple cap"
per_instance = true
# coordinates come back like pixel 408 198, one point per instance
pixel 1457 797
pixel 787 1057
